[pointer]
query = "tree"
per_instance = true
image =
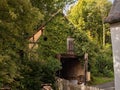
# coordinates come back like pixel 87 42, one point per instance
pixel 17 22
pixel 91 33
pixel 88 15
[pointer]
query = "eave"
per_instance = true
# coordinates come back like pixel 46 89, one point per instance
pixel 114 15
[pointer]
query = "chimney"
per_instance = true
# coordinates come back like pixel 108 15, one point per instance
pixel 70 45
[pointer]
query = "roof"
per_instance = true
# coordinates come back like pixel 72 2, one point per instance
pixel 114 15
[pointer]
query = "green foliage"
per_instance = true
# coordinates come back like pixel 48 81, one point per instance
pixel 36 72
pixel 57 31
pixel 8 70
pixel 22 69
pixel 48 7
pixel 104 62
pixel 91 33
pixel 83 44
pixel 100 80
pixel 17 22
pixel 88 15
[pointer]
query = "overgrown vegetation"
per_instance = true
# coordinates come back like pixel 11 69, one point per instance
pixel 92 35
pixel 24 69
pixel 100 80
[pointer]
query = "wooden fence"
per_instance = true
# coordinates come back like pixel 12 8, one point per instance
pixel 66 85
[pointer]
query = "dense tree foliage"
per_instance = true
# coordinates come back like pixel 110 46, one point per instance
pixel 17 22
pixel 92 35
pixel 24 69
pixel 89 15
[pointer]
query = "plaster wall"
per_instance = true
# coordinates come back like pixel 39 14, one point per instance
pixel 115 36
pixel 34 39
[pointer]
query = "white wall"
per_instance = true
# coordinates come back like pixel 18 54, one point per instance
pixel 115 36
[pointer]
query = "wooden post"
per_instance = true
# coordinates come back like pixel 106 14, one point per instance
pixel 86 66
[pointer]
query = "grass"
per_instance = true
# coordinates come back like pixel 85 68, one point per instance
pixel 101 80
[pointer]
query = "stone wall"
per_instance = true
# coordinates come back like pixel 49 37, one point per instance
pixel 63 84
